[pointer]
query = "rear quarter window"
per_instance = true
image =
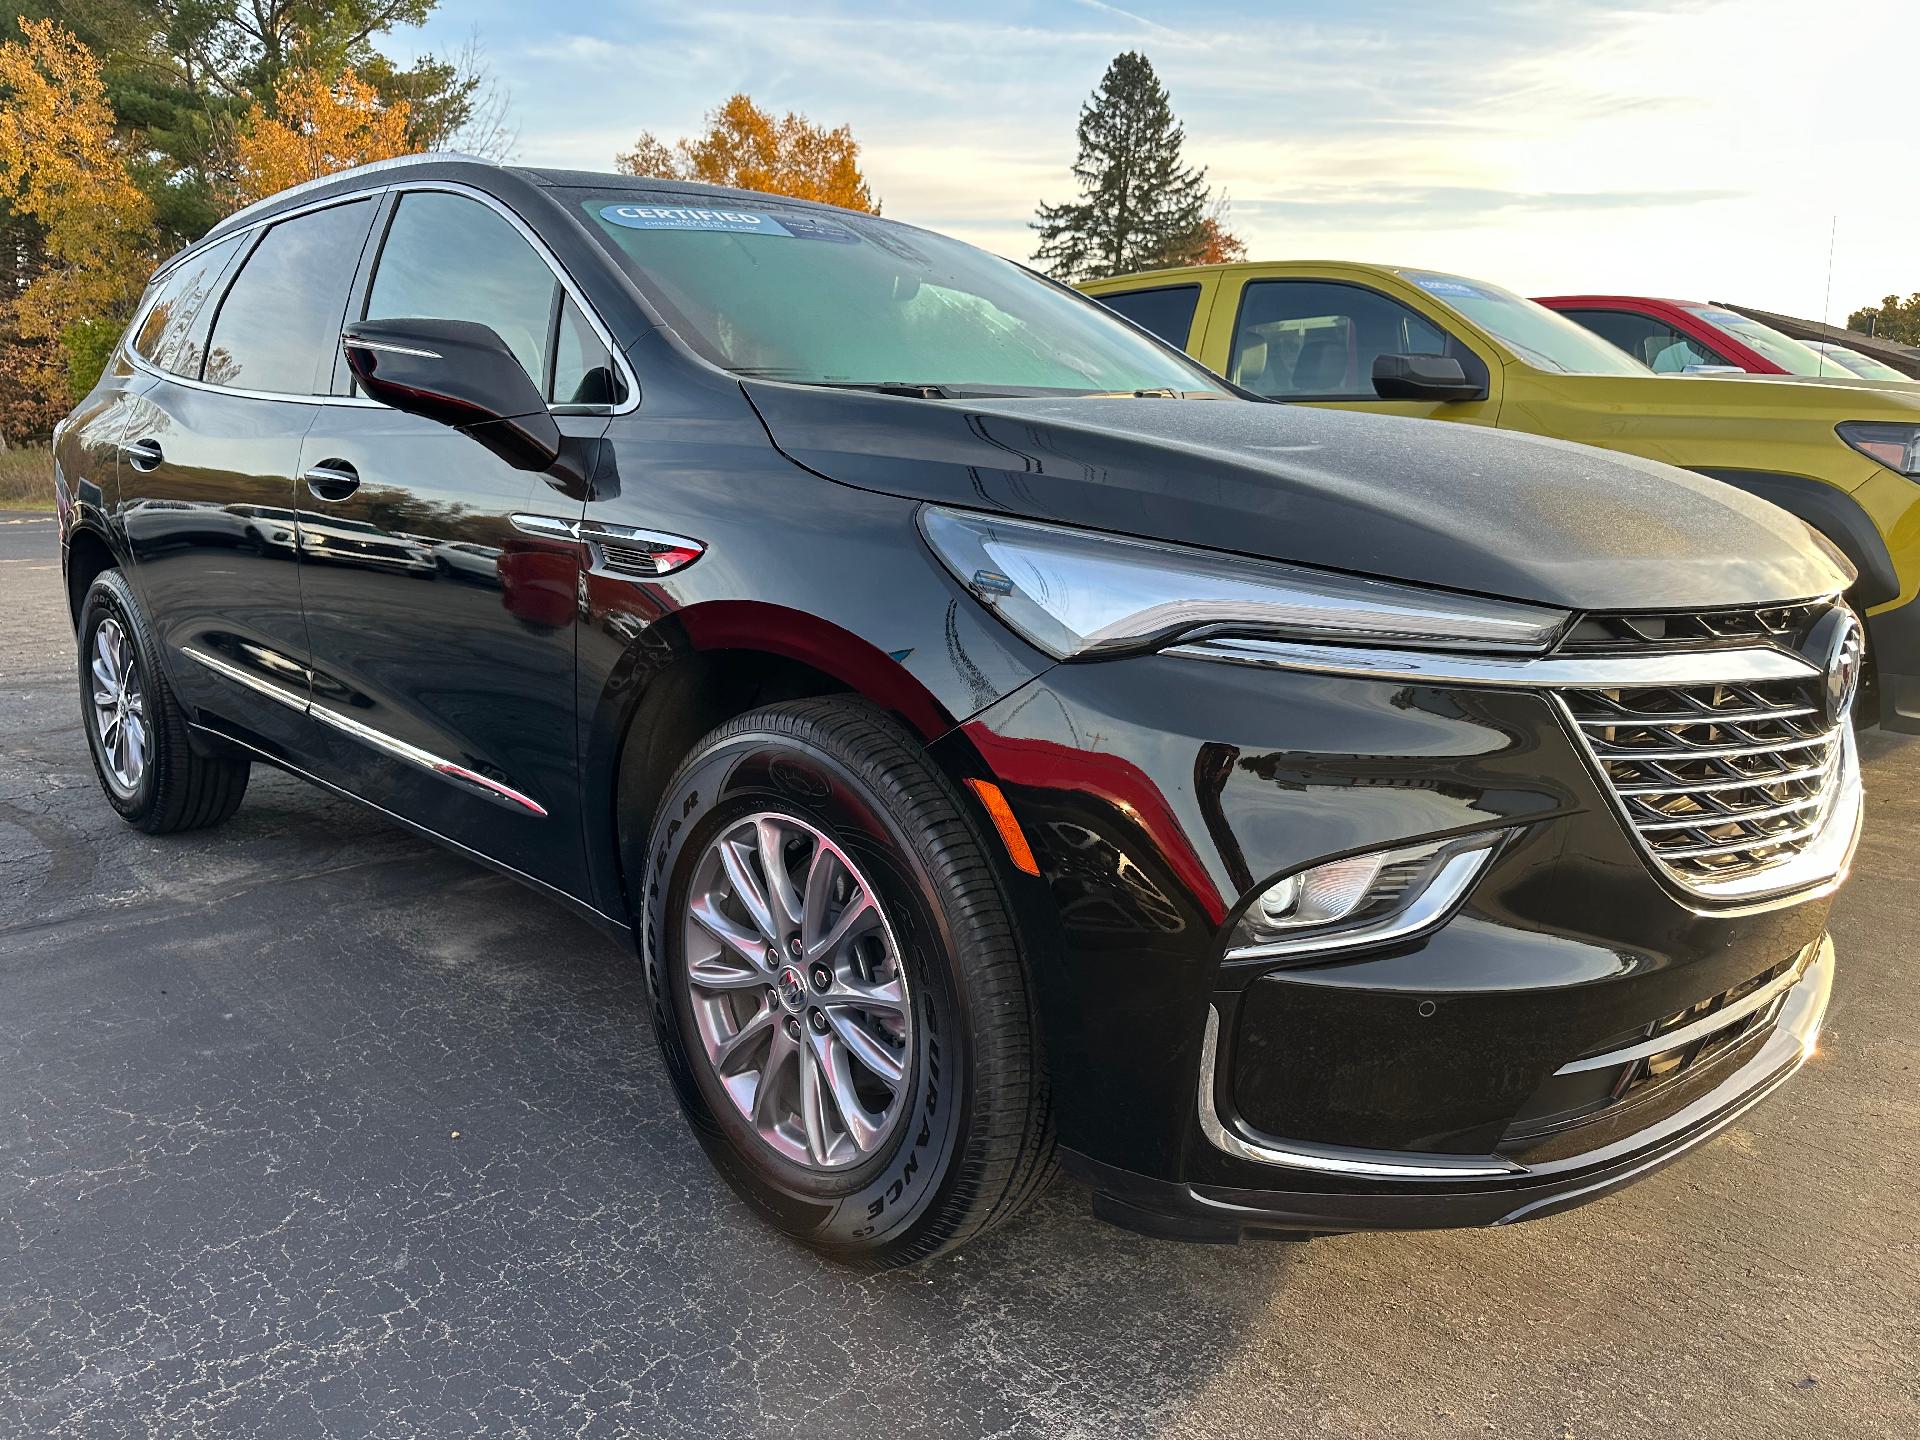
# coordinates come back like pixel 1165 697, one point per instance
pixel 172 332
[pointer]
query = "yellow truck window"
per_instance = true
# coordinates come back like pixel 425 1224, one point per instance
pixel 1317 339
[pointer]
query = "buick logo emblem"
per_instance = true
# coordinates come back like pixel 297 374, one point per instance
pixel 792 986
pixel 1846 655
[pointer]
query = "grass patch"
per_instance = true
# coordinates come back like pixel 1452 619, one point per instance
pixel 26 478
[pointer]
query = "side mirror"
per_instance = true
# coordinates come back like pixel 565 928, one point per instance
pixel 461 374
pixel 1424 377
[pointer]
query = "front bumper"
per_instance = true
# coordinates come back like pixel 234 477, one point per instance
pixel 1457 1077
pixel 1230 1213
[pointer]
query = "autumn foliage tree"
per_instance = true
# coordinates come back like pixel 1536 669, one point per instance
pixel 320 125
pixel 1892 319
pixel 746 148
pixel 62 172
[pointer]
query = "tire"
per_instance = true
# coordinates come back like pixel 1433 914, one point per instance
pixel 173 787
pixel 970 1139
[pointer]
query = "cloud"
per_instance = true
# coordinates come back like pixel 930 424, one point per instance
pixel 1701 146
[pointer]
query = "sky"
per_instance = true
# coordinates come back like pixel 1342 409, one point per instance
pixel 1701 149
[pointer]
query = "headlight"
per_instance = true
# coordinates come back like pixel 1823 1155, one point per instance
pixel 1081 594
pixel 1895 446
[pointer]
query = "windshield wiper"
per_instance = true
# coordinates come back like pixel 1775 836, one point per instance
pixel 918 390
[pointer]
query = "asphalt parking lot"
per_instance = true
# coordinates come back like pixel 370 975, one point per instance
pixel 308 1128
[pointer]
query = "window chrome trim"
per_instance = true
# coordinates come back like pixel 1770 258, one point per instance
pixel 1327 1160
pixel 227 230
pixel 1441 667
pixel 231 225
pixel 378 739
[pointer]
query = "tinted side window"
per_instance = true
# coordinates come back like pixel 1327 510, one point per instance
pixel 1166 311
pixel 1314 338
pixel 172 334
pixel 279 324
pixel 450 258
pixel 583 371
pixel 1652 342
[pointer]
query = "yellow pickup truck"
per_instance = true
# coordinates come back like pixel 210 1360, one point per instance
pixel 1843 455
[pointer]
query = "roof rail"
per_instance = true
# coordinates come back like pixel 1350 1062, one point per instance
pixel 426 157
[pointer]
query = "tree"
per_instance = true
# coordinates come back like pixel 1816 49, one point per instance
pixel 746 148
pixel 1140 208
pixel 321 126
pixel 1217 245
pixel 64 172
pixel 183 76
pixel 1892 319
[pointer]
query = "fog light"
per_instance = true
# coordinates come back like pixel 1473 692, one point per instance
pixel 1362 899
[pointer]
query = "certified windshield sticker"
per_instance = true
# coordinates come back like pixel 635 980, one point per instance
pixel 692 217
pixel 1441 285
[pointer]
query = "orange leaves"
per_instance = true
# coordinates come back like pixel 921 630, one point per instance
pixel 322 125
pixel 61 166
pixel 747 148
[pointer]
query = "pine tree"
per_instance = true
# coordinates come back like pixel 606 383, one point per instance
pixel 1140 208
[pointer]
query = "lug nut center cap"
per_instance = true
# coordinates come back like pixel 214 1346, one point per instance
pixel 791 986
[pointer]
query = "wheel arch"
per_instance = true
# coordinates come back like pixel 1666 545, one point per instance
pixel 88 553
pixel 692 673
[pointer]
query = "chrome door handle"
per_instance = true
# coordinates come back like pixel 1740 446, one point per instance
pixel 143 455
pixel 331 479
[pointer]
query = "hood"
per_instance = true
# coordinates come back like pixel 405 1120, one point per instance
pixel 1432 502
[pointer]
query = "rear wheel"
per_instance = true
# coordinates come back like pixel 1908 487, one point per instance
pixel 839 991
pixel 137 731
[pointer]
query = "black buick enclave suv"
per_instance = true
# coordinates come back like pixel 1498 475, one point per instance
pixel 1001 739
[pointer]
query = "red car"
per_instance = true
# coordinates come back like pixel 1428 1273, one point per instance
pixel 1686 337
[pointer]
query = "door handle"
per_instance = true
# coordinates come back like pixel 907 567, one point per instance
pixel 143 455
pixel 331 479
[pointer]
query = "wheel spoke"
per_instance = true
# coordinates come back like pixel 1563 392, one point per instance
pixel 782 1051
pixel 136 734
pixel 106 684
pixel 756 1025
pixel 110 733
pixel 868 1048
pixel 869 995
pixel 813 1110
pixel 837 1070
pixel 750 948
pixel 717 974
pixel 785 902
pixel 858 914
pixel 136 703
pixel 746 889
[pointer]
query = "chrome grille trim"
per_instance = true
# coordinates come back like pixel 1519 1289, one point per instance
pixel 1733 791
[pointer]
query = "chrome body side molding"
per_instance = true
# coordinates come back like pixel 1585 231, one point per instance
pixel 367 735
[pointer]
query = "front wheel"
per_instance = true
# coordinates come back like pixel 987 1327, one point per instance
pixel 838 987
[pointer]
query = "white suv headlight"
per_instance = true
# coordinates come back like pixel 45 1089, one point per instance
pixel 1080 594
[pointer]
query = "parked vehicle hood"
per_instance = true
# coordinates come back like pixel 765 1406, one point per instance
pixel 1431 502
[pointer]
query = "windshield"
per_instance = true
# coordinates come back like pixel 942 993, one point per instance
pixel 1539 336
pixel 1783 350
pixel 828 298
pixel 1864 366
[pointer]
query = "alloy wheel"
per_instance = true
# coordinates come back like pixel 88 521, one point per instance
pixel 119 706
pixel 798 991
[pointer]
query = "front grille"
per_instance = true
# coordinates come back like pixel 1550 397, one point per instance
pixel 1783 625
pixel 1720 781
